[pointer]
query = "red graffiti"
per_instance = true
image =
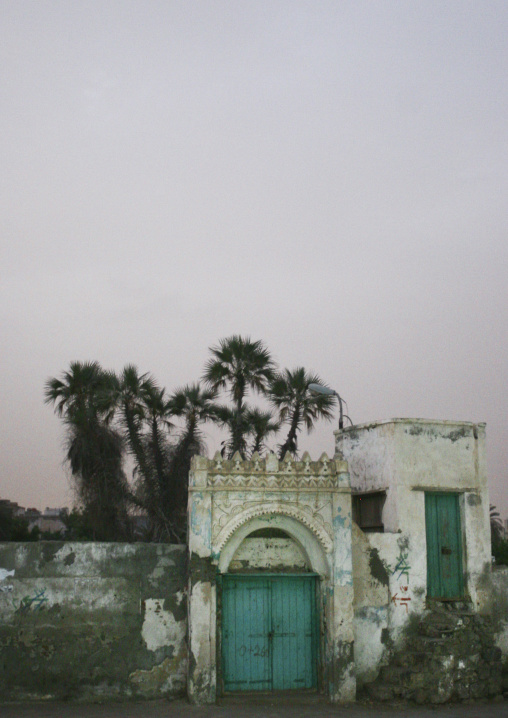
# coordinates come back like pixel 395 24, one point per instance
pixel 401 600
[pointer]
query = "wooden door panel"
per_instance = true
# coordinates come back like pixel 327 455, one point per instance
pixel 246 620
pixel 444 546
pixel 269 633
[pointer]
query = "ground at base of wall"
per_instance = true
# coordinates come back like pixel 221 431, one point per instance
pixel 248 707
pixel 449 656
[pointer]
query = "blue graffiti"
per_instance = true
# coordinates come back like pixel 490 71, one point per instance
pixel 32 603
pixel 402 565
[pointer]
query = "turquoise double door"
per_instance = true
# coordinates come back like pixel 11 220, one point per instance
pixel 269 632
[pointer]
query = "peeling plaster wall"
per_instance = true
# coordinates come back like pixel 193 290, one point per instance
pixel 500 607
pixel 388 590
pixel 91 620
pixel 407 457
pixel 275 554
pixel 311 502
pixel 410 456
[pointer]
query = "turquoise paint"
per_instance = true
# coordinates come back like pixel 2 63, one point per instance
pixel 445 578
pixel 195 523
pixel 343 578
pixel 269 632
pixel 340 521
pixel 201 521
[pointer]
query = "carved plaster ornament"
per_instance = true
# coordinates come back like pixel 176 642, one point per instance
pixel 256 459
pixel 251 510
pixel 325 461
pixel 218 460
pixel 306 463
pixel 237 461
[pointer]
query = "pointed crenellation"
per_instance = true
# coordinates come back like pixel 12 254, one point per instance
pixel 256 462
pixel 306 463
pixel 270 472
pixel 271 464
pixel 237 462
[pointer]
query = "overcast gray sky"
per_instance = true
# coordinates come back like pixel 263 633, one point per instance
pixel 329 177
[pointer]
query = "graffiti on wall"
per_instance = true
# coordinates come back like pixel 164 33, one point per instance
pixel 402 569
pixel 402 566
pixel 402 599
pixel 32 604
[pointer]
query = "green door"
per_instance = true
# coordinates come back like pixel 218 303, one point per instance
pixel 444 546
pixel 269 632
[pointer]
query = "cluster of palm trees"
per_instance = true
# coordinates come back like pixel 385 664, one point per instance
pixel 108 415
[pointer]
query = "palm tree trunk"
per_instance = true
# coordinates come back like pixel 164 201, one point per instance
pixel 159 461
pixel 135 443
pixel 291 442
pixel 256 446
pixel 237 430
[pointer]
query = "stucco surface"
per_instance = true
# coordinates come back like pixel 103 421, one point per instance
pixel 311 502
pixel 500 607
pixel 407 457
pixel 268 553
pixel 86 619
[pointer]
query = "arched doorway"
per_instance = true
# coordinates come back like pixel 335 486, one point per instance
pixel 310 501
pixel 269 607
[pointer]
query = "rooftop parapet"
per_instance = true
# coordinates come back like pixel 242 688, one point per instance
pixel 268 472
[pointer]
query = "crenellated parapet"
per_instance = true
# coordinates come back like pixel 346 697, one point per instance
pixel 269 473
pixel 310 502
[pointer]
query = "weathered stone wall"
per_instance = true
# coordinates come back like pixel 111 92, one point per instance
pixel 310 501
pixel 389 589
pixel 92 620
pixel 413 650
pixel 408 457
pixel 500 609
pixel 268 554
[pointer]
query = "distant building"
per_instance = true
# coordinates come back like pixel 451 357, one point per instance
pixel 12 506
pixel 50 520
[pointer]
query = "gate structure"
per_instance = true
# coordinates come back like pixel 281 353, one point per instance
pixel 276 628
pixel 269 632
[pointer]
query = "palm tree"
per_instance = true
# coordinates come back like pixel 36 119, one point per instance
pixel 261 426
pixel 496 525
pixel 196 406
pixel 159 491
pixel 296 405
pixel 239 425
pixel 236 365
pixel 77 390
pixel 94 449
pixel 95 455
pixel 143 411
pixel 127 398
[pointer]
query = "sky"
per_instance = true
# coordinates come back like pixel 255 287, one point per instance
pixel 328 177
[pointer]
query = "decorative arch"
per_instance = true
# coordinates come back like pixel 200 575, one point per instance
pixel 314 523
pixel 308 540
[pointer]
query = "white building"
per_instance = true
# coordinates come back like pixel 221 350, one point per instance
pixel 305 574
